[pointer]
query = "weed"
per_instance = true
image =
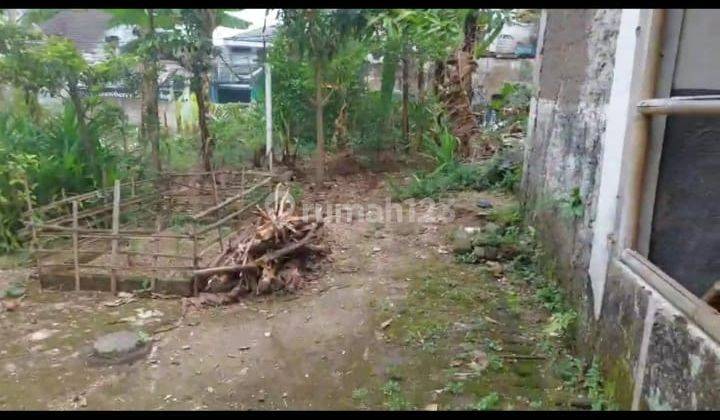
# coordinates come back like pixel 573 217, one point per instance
pixel 513 302
pixel 595 388
pixel 492 345
pixel 487 402
pixel 560 323
pixel 143 337
pixel 569 369
pixel 507 215
pixel 394 398
pixel 573 204
pixel 455 387
pixel 495 362
pixel 360 394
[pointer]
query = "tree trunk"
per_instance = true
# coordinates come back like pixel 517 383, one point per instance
pixel 83 130
pixel 438 76
pixel 470 31
pixel 32 104
pixel 405 99
pixel 149 119
pixel 319 110
pixel 201 89
pixel 469 41
pixel 387 83
pixel 421 102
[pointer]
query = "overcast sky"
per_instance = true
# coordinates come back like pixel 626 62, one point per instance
pixel 254 16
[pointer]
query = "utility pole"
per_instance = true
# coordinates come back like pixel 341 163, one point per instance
pixel 268 99
pixel 268 116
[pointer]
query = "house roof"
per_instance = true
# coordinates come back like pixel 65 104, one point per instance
pixel 254 35
pixel 85 27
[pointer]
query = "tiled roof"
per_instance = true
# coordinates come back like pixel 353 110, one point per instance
pixel 86 28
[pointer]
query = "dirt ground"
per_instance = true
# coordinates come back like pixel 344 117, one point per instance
pixel 393 322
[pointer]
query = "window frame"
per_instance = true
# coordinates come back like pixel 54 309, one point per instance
pixel 656 53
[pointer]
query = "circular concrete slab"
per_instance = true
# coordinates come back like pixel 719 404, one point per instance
pixel 120 346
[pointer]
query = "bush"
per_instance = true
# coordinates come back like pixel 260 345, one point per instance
pixel 48 154
pixel 239 132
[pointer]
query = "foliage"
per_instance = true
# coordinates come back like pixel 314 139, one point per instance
pixel 572 205
pixel 360 394
pixel 14 168
pixel 394 398
pixel 453 176
pixel 318 35
pixel 239 131
pixel 514 95
pixel 487 402
pixel 594 385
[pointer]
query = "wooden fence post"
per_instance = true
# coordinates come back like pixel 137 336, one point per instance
pixel 195 285
pixel 217 201
pixel 35 245
pixel 115 231
pixel 75 245
pixel 158 223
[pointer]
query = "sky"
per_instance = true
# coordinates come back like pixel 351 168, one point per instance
pixel 254 16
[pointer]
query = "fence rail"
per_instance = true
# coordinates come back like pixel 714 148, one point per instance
pixel 61 245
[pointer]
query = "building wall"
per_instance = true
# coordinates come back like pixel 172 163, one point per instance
pixel 575 76
pixel 653 354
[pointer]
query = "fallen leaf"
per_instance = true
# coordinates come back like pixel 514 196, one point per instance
pixel 386 323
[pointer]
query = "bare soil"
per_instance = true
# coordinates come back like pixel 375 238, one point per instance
pixel 393 322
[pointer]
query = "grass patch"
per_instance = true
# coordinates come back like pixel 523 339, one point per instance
pixel 499 173
pixel 394 397
pixel 487 402
pixel 16 259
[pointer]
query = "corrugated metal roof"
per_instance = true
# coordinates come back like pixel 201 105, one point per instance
pixel 254 35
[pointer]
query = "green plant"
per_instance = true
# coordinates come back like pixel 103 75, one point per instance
pixel 573 204
pixel 239 132
pixel 455 387
pixel 560 323
pixel 394 398
pixel 596 389
pixel 360 394
pixel 144 337
pixel 442 151
pixel 487 402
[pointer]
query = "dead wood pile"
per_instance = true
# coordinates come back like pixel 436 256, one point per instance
pixel 274 253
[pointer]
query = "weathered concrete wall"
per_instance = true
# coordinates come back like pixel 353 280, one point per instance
pixel 575 77
pixel 653 356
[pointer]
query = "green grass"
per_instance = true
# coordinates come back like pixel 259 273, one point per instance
pixel 17 259
pixel 360 395
pixel 487 402
pixel 394 397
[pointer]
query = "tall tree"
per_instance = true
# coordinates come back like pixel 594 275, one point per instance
pixel 412 35
pixel 193 44
pixel 318 35
pixel 145 24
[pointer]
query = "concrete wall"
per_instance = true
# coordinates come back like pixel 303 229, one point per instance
pixel 654 354
pixel 575 76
